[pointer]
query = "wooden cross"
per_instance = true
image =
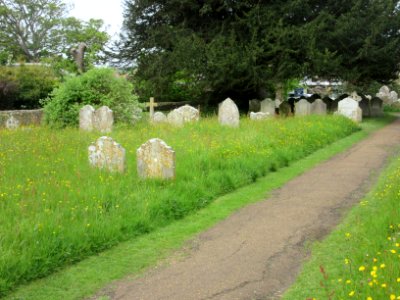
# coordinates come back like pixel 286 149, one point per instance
pixel 151 104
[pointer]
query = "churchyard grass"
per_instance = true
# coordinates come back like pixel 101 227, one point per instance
pixel 55 209
pixel 361 258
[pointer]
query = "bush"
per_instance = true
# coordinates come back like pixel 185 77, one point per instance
pixel 96 87
pixel 23 86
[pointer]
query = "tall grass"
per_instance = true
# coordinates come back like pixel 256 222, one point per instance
pixel 361 259
pixel 55 209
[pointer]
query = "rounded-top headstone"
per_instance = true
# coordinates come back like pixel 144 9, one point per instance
pixel 175 118
pixel 155 159
pixel 302 108
pixel 228 113
pixel 349 108
pixel 106 154
pixel 159 117
pixel 104 119
pixel 318 107
pixel 268 106
pixel 189 113
pixel 86 118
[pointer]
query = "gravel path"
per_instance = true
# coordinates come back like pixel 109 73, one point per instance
pixel 257 252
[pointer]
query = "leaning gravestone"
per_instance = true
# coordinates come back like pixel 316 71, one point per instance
pixel 12 123
pixel 104 119
pixel 349 108
pixel 268 106
pixel 302 108
pixel 258 116
pixel 107 154
pixel 284 109
pixel 159 117
pixel 376 107
pixel 155 159
pixel 189 113
pixel 228 113
pixel 175 118
pixel 318 107
pixel 254 105
pixel 86 118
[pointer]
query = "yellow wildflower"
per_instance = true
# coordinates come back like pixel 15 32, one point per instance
pixel 351 294
pixel 382 266
pixel 392 297
pixel 383 285
pixel 361 268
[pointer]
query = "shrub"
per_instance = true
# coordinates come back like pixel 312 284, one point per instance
pixel 96 87
pixel 23 86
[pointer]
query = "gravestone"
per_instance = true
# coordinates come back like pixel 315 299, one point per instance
pixel 159 117
pixel 254 105
pixel 318 107
pixel 228 113
pixel 355 96
pixel 376 107
pixel 268 106
pixel 328 101
pixel 86 118
pixel 258 116
pixel 284 109
pixel 106 154
pixel 302 108
pixel 175 118
pixel 104 119
pixel 155 159
pixel 387 96
pixel 335 104
pixel 349 108
pixel 365 106
pixel 189 113
pixel 12 123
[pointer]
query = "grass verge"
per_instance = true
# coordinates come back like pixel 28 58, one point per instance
pixel 360 259
pixel 133 257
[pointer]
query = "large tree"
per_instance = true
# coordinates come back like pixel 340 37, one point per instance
pixel 242 48
pixel 37 29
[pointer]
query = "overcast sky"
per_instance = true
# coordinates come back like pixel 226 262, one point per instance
pixel 110 11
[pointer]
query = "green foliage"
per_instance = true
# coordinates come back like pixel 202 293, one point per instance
pixel 96 87
pixel 70 210
pixel 23 86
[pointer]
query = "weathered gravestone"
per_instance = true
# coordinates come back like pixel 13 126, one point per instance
pixel 86 118
pixel 355 96
pixel 159 117
pixel 376 107
pixel 12 123
pixel 175 118
pixel 318 107
pixel 228 113
pixel 155 159
pixel 302 108
pixel 105 153
pixel 258 116
pixel 189 113
pixel 104 119
pixel 387 96
pixel 268 106
pixel 365 106
pixel 284 109
pixel 254 105
pixel 349 108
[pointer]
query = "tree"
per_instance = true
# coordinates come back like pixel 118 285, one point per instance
pixel 38 29
pixel 243 49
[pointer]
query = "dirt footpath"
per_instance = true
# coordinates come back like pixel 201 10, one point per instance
pixel 257 252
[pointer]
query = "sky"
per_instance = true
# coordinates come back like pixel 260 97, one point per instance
pixel 110 11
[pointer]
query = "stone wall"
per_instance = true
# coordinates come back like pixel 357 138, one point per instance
pixel 24 117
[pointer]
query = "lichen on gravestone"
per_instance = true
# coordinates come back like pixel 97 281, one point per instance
pixel 107 154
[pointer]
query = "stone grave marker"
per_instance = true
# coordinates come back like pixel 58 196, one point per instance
pixel 268 106
pixel 106 154
pixel 189 113
pixel 318 107
pixel 86 118
pixel 302 108
pixel 376 107
pixel 349 108
pixel 104 119
pixel 12 123
pixel 159 117
pixel 259 115
pixel 175 118
pixel 365 106
pixel 328 101
pixel 355 96
pixel 228 113
pixel 284 109
pixel 254 105
pixel 155 159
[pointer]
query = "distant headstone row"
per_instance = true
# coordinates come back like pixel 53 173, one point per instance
pixel 101 119
pixel 177 117
pixel 155 159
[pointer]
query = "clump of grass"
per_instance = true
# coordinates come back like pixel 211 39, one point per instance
pixel 55 209
pixel 361 259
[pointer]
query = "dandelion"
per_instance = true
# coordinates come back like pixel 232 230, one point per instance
pixel 392 297
pixel 369 298
pixel 351 294
pixel 398 279
pixel 393 251
pixel 382 266
pixel 348 281
pixel 346 261
pixel 361 268
pixel 384 285
pixel 348 234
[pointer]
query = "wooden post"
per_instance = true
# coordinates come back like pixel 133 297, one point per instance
pixel 151 106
